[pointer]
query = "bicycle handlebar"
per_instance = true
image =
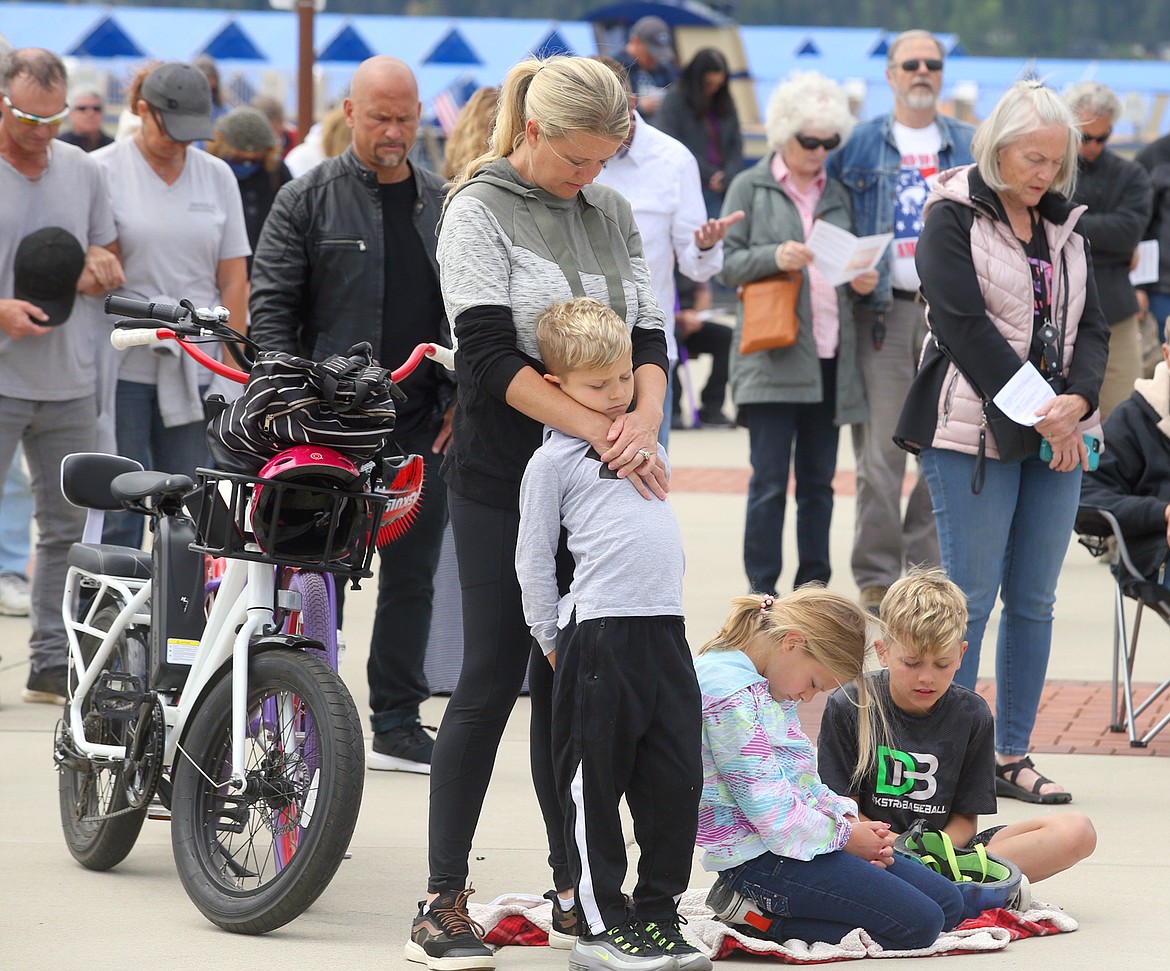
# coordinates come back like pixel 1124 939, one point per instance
pixel 436 352
pixel 138 336
pixel 145 310
pixel 124 338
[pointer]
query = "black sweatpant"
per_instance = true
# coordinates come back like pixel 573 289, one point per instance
pixel 497 646
pixel 628 722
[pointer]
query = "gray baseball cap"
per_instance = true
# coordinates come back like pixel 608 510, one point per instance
pixel 182 96
pixel 653 32
pixel 246 130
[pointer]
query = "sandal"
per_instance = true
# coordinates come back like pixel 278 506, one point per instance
pixel 1005 784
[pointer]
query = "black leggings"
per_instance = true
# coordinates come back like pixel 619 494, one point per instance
pixel 497 646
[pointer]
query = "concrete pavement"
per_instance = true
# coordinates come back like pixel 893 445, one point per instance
pixel 55 915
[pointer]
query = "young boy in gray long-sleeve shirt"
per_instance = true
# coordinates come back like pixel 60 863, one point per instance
pixel 626 708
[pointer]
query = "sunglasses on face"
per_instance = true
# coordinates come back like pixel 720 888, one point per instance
pixel 1099 139
pixel 26 118
pixel 932 64
pixel 87 107
pixel 812 144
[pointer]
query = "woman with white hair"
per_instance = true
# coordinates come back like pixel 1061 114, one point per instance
pixel 793 400
pixel 1009 287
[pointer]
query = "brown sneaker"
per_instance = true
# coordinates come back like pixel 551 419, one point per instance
pixel 563 933
pixel 871 599
pixel 445 938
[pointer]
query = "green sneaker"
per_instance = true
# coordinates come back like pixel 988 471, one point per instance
pixel 621 948
pixel 669 939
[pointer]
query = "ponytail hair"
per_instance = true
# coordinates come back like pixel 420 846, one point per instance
pixel 563 94
pixel 836 634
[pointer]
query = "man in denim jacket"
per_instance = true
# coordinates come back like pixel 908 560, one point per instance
pixel 886 165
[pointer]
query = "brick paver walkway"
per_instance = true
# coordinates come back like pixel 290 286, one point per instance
pixel 1073 718
pixel 1074 715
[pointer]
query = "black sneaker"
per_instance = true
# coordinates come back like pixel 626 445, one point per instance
pixel 564 924
pixel 669 939
pixel 714 418
pixel 47 686
pixel 621 948
pixel 404 749
pixel 445 938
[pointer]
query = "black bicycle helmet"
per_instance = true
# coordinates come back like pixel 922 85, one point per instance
pixel 313 509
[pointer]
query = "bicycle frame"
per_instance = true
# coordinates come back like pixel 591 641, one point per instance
pixel 245 600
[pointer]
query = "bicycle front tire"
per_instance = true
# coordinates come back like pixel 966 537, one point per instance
pixel 252 861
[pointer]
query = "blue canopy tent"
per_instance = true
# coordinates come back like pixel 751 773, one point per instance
pixel 452 48
pixel 676 13
pixel 106 39
pixel 346 45
pixel 233 43
pixel 553 45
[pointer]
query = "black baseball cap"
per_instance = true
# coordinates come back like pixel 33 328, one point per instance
pixel 181 94
pixel 46 270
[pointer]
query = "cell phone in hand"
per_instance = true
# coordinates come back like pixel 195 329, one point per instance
pixel 1092 443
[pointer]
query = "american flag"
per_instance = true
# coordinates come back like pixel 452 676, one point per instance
pixel 447 104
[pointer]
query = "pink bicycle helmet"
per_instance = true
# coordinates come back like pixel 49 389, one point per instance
pixel 310 511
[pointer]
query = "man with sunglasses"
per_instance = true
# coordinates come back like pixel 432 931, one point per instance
pixel 56 225
pixel 86 109
pixel 1120 198
pixel 887 165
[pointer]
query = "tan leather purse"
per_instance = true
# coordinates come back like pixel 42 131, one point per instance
pixel 769 312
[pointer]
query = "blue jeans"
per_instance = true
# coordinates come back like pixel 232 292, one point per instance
pixel 902 907
pixel 1009 540
pixel 143 437
pixel 16 513
pixel 805 435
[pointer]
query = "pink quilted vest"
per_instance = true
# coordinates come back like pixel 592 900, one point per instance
pixel 1005 281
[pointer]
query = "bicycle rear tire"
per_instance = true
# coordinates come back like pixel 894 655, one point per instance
pixel 253 861
pixel 101 788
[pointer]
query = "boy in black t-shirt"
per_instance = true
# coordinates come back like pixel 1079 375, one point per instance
pixel 939 763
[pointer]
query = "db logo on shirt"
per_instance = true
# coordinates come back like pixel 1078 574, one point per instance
pixel 899 774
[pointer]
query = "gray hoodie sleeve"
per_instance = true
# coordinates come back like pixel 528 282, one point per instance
pixel 536 548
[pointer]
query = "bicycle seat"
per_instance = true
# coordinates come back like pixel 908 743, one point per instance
pixel 86 478
pixel 136 486
pixel 105 558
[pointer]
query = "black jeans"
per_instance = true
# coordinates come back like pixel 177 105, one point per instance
pixel 406 588
pixel 497 647
pixel 713 339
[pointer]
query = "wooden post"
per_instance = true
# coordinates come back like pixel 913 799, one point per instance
pixel 305 16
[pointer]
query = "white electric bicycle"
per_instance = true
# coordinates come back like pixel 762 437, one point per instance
pixel 233 714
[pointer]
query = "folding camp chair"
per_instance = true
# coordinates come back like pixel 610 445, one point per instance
pixel 1096 527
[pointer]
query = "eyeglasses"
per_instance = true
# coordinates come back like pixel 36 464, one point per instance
pixel 932 64
pixel 812 144
pixel 1099 139
pixel 26 118
pixel 87 107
